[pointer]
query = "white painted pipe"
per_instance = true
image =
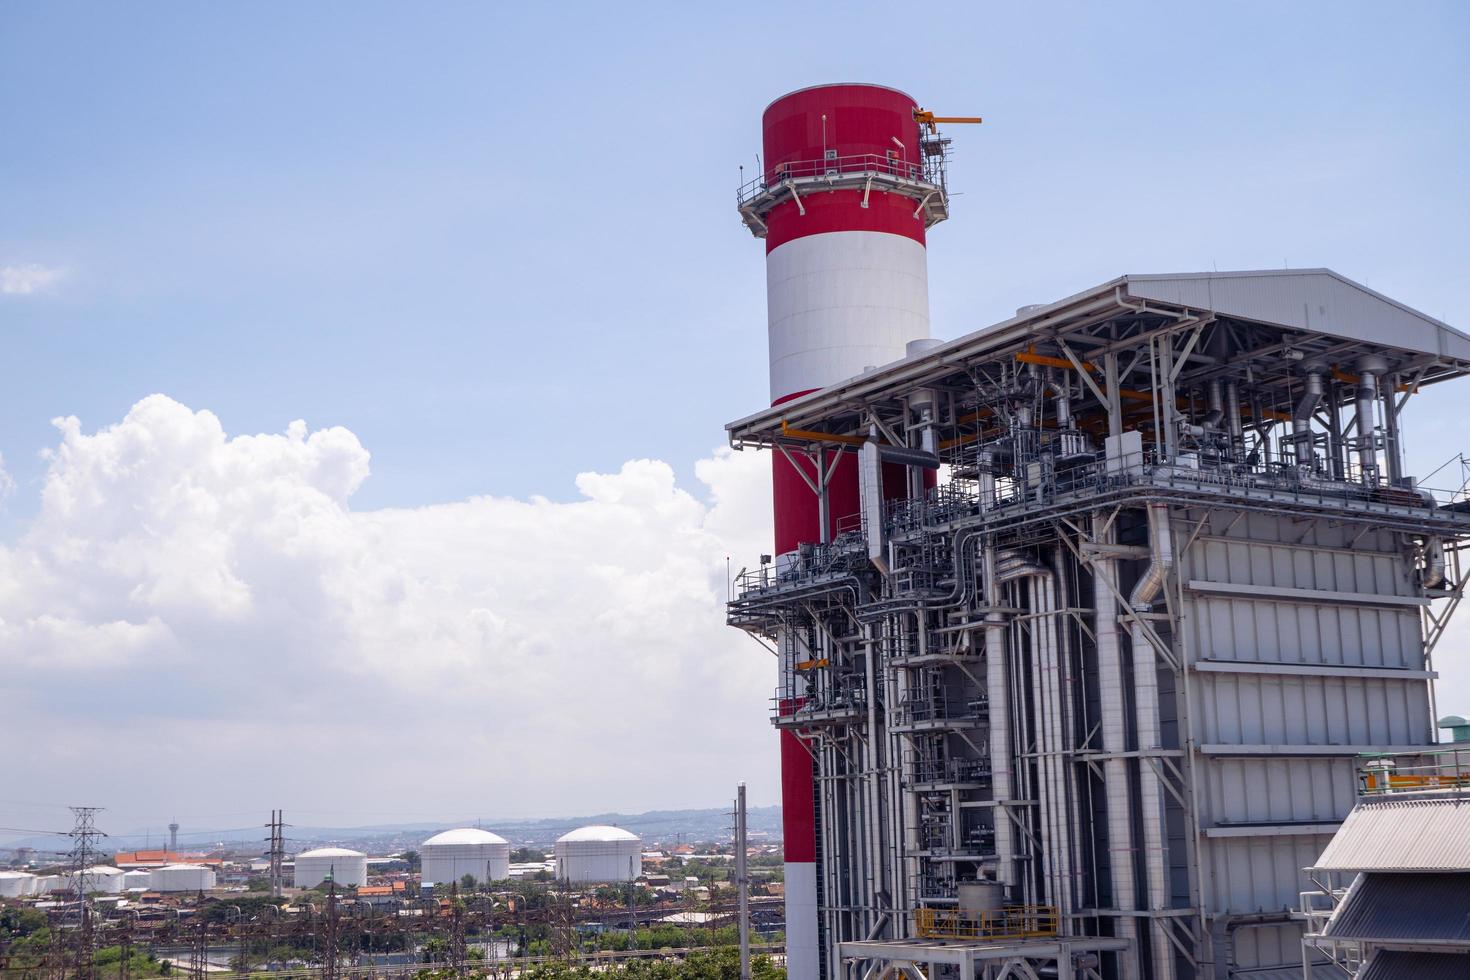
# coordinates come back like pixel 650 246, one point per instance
pixel 997 694
pixel 1146 701
pixel 1114 724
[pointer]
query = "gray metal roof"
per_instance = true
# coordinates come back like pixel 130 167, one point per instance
pixel 1318 300
pixel 1390 964
pixel 1320 971
pixel 1303 303
pixel 1397 907
pixel 1401 835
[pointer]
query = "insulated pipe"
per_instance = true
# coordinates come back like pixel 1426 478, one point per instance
pixel 1121 847
pixel 1215 400
pixel 1369 368
pixel 1301 415
pixel 1433 563
pixel 1232 413
pixel 997 692
pixel 1146 702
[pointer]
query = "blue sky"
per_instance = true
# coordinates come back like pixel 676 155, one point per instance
pixel 498 241
pixel 494 249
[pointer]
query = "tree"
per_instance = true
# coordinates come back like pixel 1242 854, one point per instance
pixel 527 855
pixel 468 883
pixel 413 860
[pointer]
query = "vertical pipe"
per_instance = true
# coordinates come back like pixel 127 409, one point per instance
pixel 997 691
pixel 1146 701
pixel 1232 416
pixel 1121 847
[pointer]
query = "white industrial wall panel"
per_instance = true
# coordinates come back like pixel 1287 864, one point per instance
pixel 1287 709
pixel 1254 874
pixel 1256 630
pixel 1300 566
pixel 1275 790
pixel 1268 945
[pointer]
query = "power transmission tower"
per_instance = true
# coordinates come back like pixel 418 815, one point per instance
pixel 456 932
pixel 84 836
pixel 277 851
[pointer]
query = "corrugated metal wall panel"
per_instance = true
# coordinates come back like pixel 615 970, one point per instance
pixel 1241 628
pixel 1257 874
pixel 1265 791
pixel 1267 709
pixel 1254 947
pixel 1401 835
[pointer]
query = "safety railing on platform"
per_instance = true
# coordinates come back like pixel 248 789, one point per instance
pixel 1011 922
pixel 931 171
pixel 1445 771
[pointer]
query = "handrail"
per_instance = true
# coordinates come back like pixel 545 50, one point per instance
pixel 1011 922
pixel 928 172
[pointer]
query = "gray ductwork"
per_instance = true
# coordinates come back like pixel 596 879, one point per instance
pixel 996 690
pixel 1433 563
pixel 1146 701
pixel 1216 401
pixel 1301 414
pixel 1369 370
pixel 1232 414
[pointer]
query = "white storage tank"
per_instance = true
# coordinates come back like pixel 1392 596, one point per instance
pixel 17 884
pixel 181 878
pixel 598 853
pixel 345 867
pixel 449 856
pixel 100 878
pixel 137 880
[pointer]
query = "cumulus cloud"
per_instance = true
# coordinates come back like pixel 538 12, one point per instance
pixel 22 280
pixel 212 603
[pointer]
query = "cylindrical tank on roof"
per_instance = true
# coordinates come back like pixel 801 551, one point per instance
pixel 598 854
pixel 345 867
pixel 181 878
pixel 137 879
pixel 449 856
pixel 17 884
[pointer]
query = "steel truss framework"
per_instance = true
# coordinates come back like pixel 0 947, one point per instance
pixel 1065 675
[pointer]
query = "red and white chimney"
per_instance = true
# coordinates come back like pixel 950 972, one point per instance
pixel 843 202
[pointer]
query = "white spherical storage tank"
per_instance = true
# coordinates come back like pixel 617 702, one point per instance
pixel 345 867
pixel 181 878
pixel 591 854
pixel 16 884
pixel 449 856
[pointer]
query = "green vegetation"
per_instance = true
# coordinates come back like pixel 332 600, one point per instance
pixel 714 964
pixel 526 855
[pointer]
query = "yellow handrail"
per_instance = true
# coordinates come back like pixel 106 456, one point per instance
pixel 1011 922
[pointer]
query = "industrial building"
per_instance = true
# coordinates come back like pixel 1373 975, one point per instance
pixel 1080 619
pixel 449 856
pixel 346 867
pixel 182 878
pixel 589 855
pixel 1393 885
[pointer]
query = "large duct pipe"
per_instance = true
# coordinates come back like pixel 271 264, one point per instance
pixel 1369 368
pixel 1433 563
pixel 1114 723
pixel 1232 414
pixel 1215 400
pixel 1301 415
pixel 1146 702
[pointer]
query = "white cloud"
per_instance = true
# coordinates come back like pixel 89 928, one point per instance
pixel 214 604
pixel 22 280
